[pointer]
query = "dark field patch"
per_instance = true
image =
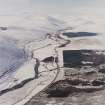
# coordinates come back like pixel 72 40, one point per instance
pixel 79 34
pixel 79 58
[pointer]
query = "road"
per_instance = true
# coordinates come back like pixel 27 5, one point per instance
pixel 59 71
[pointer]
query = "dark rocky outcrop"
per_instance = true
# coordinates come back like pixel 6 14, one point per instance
pixel 90 73
pixel 97 82
pixel 63 88
pixel 16 86
pixel 48 59
pixel 36 68
pixel 61 91
pixel 102 69
pixel 66 43
pixel 3 28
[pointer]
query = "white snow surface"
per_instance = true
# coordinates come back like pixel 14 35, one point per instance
pixel 27 34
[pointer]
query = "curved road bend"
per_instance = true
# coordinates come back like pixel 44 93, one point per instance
pixel 58 68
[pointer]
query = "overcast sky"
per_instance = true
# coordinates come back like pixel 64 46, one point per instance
pixel 48 6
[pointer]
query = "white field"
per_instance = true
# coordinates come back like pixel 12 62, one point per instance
pixel 28 33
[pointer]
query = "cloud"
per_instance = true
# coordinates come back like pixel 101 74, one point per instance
pixel 47 6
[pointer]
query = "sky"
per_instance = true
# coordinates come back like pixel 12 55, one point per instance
pixel 49 6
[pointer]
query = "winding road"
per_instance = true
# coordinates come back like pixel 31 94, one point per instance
pixel 56 42
pixel 66 42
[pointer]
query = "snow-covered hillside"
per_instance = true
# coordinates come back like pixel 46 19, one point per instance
pixel 19 37
pixel 25 39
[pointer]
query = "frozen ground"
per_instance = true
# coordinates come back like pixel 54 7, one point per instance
pixel 24 43
pixel 29 37
pixel 78 24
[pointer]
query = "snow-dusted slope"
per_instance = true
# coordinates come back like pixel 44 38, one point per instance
pixel 38 36
pixel 19 37
pixel 11 57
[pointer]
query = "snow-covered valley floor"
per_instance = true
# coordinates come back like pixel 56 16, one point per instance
pixel 26 42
